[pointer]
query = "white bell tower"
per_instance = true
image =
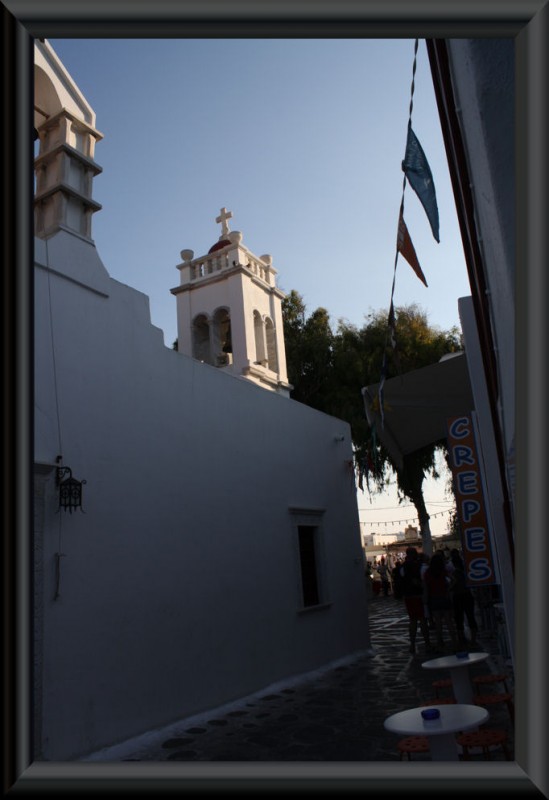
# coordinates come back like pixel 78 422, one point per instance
pixel 229 311
pixel 65 168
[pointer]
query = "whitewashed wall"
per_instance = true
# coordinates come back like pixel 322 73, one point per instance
pixel 483 79
pixel 179 586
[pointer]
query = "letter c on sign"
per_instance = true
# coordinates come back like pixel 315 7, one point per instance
pixel 459 428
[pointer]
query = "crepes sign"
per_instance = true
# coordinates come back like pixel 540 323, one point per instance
pixel 471 507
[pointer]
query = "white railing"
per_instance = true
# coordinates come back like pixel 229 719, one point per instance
pixel 211 264
pixel 208 265
pixel 258 269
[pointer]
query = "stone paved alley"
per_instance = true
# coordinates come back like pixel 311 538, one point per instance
pixel 335 714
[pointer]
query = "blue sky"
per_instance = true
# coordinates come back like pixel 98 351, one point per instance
pixel 301 139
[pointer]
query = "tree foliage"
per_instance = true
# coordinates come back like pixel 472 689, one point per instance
pixel 328 371
pixel 309 351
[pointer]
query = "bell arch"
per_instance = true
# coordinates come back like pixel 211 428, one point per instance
pixel 221 332
pixel 259 338
pixel 201 339
pixel 46 99
pixel 270 337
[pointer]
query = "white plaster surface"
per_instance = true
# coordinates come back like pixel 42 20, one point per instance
pixel 180 584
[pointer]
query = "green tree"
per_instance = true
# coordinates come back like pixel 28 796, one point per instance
pixel 417 345
pixel 329 370
pixel 309 351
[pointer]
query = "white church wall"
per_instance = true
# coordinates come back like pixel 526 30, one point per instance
pixel 257 299
pixel 179 585
pixel 276 316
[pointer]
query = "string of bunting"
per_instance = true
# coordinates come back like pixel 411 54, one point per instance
pixel 402 521
pixel 418 174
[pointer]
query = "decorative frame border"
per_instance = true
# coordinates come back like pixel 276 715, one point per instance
pixel 527 22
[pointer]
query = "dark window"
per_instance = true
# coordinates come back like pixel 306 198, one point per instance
pixel 308 561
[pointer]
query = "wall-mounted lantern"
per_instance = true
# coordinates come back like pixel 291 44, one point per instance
pixel 70 490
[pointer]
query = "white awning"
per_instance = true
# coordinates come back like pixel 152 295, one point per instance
pixel 418 404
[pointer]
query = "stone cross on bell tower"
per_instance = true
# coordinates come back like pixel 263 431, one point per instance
pixel 222 218
pixel 229 311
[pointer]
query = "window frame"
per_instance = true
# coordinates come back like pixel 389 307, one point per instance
pixel 313 519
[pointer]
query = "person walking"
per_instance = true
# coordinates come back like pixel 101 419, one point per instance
pixel 463 602
pixel 425 559
pixel 437 598
pixel 384 576
pixel 396 580
pixel 412 592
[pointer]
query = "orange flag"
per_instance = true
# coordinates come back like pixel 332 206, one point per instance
pixel 406 248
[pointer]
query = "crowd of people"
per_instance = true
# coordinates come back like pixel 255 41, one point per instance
pixel 436 595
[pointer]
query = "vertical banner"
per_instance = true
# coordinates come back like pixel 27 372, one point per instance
pixel 471 508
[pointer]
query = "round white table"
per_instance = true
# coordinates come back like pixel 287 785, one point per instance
pixel 461 680
pixel 441 732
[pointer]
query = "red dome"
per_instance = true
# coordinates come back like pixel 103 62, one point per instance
pixel 218 246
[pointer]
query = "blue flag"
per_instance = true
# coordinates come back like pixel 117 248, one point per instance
pixel 419 175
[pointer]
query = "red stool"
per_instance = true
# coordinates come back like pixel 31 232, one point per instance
pixel 444 683
pixel 482 680
pixel 485 738
pixel 439 701
pixel 490 699
pixel 413 744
